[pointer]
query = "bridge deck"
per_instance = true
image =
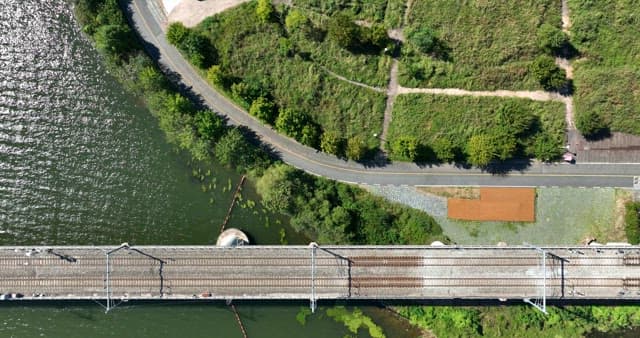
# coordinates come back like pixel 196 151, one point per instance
pixel 278 272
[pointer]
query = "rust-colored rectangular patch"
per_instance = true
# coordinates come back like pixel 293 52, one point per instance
pixel 496 204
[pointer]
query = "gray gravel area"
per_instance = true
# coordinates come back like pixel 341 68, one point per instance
pixel 435 206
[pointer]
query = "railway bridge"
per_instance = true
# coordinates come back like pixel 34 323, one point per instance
pixel 120 273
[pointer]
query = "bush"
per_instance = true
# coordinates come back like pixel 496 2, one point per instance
pixel 215 76
pixel 545 148
pixel 116 41
pixel 356 148
pixel 264 10
pixel 332 143
pixel 548 74
pixel 551 39
pixel 295 21
pixel 263 109
pixel 590 123
pixel 177 33
pixel 632 222
pixel 423 38
pixel 344 31
pixel 444 149
pixel 405 148
pixel 481 150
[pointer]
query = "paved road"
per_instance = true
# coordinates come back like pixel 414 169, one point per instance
pixel 149 21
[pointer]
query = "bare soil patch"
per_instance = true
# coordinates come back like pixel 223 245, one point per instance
pixel 495 204
pixel 453 192
pixel 192 12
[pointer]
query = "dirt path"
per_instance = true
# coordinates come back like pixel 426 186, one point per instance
pixel 392 92
pixel 532 95
pixel 355 83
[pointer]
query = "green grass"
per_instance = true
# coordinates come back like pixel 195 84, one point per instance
pixel 248 50
pixel 431 117
pixel 607 75
pixel 490 43
pixel 389 12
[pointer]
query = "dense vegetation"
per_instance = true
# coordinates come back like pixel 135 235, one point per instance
pixel 387 12
pixel 282 66
pixel 607 75
pixel 521 321
pixel 475 129
pixel 478 45
pixel 324 210
pixel 632 222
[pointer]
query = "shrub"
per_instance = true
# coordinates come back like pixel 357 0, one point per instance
pixel 263 109
pixel 356 148
pixel 423 38
pixel 481 150
pixel 332 143
pixel 295 21
pixel 632 222
pixel 551 39
pixel 215 76
pixel 590 123
pixel 151 79
pixel 405 148
pixel 176 33
pixel 444 149
pixel 545 148
pixel 344 31
pixel 548 74
pixel 116 41
pixel 264 10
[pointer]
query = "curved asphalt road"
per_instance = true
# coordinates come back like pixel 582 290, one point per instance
pixel 148 19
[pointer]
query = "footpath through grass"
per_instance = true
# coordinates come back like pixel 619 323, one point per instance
pixel 387 12
pixel 287 67
pixel 607 75
pixel 482 45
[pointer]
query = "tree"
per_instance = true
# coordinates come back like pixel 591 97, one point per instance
pixel 176 33
pixel 590 123
pixel 310 134
pixel 291 122
pixel 276 187
pixel 210 126
pixel 114 40
pixel 423 38
pixel 405 147
pixel 332 143
pixel 377 35
pixel 356 148
pixel 233 150
pixel 551 39
pixel 550 76
pixel 264 10
pixel 151 79
pixel 481 150
pixel 344 31
pixel 263 109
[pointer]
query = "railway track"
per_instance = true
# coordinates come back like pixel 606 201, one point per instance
pixel 325 282
pixel 355 261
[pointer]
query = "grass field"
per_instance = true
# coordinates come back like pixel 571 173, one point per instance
pixel 457 118
pixel 389 12
pixel 490 44
pixel 607 75
pixel 248 50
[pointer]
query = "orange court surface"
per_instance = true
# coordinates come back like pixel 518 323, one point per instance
pixel 496 204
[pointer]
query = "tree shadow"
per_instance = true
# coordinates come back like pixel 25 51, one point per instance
pixel 601 134
pixel 503 168
pixel 567 51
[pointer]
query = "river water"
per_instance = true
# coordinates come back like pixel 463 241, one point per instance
pixel 82 163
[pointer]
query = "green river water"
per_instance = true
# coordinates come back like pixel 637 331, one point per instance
pixel 81 163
